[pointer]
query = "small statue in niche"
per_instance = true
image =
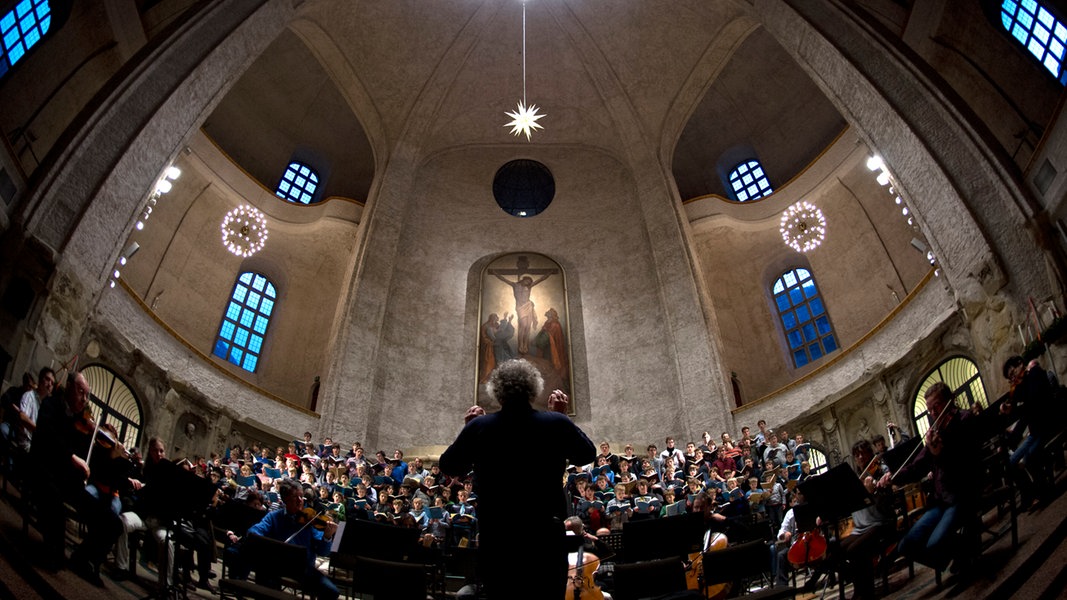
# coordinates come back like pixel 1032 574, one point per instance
pixel 190 429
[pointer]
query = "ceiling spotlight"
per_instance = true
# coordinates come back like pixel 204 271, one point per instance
pixel 875 163
pixel 163 186
pixel 173 172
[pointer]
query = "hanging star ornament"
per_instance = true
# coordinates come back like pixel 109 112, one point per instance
pixel 524 120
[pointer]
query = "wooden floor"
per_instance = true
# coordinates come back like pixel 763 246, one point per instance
pixel 1036 570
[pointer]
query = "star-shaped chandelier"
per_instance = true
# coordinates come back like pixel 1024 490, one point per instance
pixel 524 119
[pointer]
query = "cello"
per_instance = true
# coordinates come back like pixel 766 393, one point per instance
pixel 712 541
pixel 580 573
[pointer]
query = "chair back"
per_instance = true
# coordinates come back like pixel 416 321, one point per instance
pixel 649 579
pixel 277 558
pixel 734 563
pixel 390 579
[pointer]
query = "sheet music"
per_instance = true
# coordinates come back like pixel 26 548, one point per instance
pixel 337 537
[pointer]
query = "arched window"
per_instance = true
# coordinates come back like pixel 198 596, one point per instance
pixel 817 460
pixel 1033 26
pixel 112 401
pixel 244 325
pixel 21 28
pixel 962 377
pixel 749 182
pixel 803 316
pixel 298 184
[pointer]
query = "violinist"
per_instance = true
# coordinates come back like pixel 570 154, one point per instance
pixel 291 524
pixel 873 525
pixel 60 448
pixel 952 443
pixel 1033 403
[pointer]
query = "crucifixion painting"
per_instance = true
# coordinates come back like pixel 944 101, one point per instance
pixel 516 288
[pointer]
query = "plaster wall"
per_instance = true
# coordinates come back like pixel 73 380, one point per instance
pixel 863 269
pixel 621 354
pixel 185 275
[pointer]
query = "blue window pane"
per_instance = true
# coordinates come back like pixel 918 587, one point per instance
pixel 809 333
pixel 1020 33
pixel 778 286
pixel 236 341
pixel 802 314
pixel 795 339
pixel 809 288
pixel 816 351
pixel 800 358
pixel 782 301
pixel 823 325
pixel 796 296
pixel 45 23
pixel 789 320
pixel 790 279
pixel 816 306
pixel 23 7
pixel 829 343
pixel 1030 5
pixel 298 183
pixel 7 22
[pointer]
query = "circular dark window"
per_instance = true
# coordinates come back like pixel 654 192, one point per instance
pixel 523 187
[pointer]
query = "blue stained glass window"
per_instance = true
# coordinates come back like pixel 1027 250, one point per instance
pixel 241 333
pixel 21 29
pixel 748 181
pixel 802 314
pixel 298 184
pixel 1038 30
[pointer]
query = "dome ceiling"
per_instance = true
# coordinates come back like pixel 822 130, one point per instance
pixel 696 83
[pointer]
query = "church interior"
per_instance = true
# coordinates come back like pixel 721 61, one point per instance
pixel 247 220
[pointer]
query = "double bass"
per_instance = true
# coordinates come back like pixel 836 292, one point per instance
pixel 713 541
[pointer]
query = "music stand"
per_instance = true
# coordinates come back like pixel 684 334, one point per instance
pixel 835 494
pixel 898 455
pixel 173 494
pixel 666 537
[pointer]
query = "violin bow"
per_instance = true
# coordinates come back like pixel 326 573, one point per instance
pixel 933 427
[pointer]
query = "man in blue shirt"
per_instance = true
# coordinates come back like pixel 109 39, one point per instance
pixel 288 525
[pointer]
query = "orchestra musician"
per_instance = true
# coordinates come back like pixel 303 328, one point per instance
pixel 873 525
pixel 61 439
pixel 1032 400
pixel 289 525
pixel 952 444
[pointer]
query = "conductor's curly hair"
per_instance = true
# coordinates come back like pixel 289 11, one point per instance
pixel 515 381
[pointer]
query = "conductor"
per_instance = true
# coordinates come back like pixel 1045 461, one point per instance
pixel 536 563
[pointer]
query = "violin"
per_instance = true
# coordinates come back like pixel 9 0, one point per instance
pixel 581 572
pixel 317 520
pixel 104 436
pixel 694 573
